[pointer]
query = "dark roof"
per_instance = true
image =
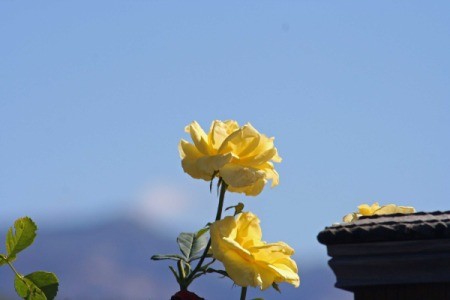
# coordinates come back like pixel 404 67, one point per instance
pixel 397 227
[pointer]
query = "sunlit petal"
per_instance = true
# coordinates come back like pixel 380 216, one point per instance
pixel 238 176
pixel 199 137
pixel 236 242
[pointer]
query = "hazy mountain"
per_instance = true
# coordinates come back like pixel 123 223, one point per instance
pixel 112 261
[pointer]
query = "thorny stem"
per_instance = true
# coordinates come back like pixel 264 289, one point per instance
pixel 223 189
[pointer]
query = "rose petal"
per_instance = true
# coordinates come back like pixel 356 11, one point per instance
pixel 219 131
pixel 251 190
pixel 199 137
pixel 238 176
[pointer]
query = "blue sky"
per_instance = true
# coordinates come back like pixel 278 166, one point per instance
pixel 94 97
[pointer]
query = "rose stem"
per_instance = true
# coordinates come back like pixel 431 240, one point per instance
pixel 223 189
pixel 243 292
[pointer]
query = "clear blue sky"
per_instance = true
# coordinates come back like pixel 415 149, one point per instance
pixel 94 97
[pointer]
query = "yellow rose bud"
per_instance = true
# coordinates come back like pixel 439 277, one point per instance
pixel 236 242
pixel 241 156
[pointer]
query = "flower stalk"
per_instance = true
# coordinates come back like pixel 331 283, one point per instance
pixel 223 189
pixel 243 293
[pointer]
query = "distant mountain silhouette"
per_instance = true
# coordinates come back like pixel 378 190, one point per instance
pixel 111 261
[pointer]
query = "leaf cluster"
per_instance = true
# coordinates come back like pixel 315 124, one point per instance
pixel 39 285
pixel 192 247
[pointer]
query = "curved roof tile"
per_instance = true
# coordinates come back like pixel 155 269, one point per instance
pixel 396 227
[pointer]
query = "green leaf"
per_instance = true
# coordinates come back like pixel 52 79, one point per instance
pixel 26 289
pixel 190 244
pixel 46 281
pixel 202 231
pixel 168 256
pixel 21 237
pixel 39 285
pixel 198 256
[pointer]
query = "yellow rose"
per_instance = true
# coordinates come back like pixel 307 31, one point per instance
pixel 236 242
pixel 241 156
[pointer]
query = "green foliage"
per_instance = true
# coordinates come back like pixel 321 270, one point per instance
pixel 175 257
pixel 190 244
pixel 192 247
pixel 26 289
pixel 38 285
pixel 203 230
pixel 21 237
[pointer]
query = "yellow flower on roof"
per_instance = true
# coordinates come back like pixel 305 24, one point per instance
pixel 367 210
pixel 376 209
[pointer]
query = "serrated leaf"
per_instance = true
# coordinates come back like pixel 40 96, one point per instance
pixel 26 289
pixel 46 281
pixel 175 257
pixel 190 244
pixel 38 285
pixel 21 237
